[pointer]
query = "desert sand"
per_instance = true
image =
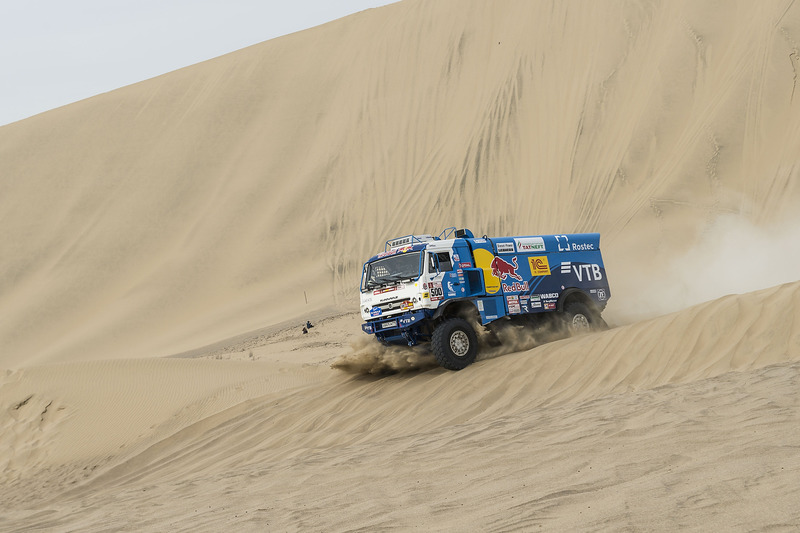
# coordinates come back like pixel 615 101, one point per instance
pixel 163 243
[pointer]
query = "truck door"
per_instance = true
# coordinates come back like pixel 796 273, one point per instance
pixel 445 282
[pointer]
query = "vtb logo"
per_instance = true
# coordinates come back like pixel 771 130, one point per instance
pixel 582 271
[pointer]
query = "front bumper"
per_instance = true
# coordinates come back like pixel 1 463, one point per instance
pixel 401 329
pixel 402 321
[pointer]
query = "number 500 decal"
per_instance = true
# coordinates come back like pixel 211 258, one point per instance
pixel 436 291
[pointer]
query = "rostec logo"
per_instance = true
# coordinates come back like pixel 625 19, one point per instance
pixel 539 266
pixel 503 269
pixel 564 245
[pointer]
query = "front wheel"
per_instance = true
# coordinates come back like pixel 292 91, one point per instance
pixel 454 344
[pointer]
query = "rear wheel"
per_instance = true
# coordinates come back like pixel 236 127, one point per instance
pixel 454 344
pixel 580 319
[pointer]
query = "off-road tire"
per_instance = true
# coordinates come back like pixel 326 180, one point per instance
pixel 578 319
pixel 454 344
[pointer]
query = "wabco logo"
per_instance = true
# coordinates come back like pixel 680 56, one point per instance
pixel 590 272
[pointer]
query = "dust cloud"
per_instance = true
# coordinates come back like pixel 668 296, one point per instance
pixel 732 256
pixel 370 357
pixel 513 337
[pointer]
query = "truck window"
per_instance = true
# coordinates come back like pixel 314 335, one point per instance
pixel 439 261
pixel 391 270
pixel 444 262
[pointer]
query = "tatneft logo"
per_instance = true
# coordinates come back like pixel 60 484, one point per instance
pixel 530 244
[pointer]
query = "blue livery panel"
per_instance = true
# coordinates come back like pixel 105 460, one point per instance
pixel 531 273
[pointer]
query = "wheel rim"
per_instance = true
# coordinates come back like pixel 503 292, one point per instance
pixel 459 343
pixel 580 322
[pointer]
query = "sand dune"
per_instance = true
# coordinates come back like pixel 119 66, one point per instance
pixel 698 390
pixel 207 213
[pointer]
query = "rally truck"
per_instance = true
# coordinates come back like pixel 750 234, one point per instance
pixel 446 289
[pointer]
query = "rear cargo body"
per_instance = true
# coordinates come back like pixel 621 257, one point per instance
pixel 420 281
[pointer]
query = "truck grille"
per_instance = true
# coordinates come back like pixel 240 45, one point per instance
pixel 396 305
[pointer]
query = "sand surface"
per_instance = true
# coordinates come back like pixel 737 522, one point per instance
pixel 163 243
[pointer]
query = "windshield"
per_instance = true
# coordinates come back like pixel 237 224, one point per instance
pixel 390 270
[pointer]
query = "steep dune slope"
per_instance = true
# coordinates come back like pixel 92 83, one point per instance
pixel 673 398
pixel 216 199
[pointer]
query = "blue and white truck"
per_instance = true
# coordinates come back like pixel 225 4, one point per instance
pixel 441 289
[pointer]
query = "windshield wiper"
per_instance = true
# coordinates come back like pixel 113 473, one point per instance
pixel 385 280
pixel 380 282
pixel 401 277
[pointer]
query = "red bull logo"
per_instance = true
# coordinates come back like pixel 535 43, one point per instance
pixel 503 269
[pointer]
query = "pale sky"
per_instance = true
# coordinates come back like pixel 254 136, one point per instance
pixel 54 52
